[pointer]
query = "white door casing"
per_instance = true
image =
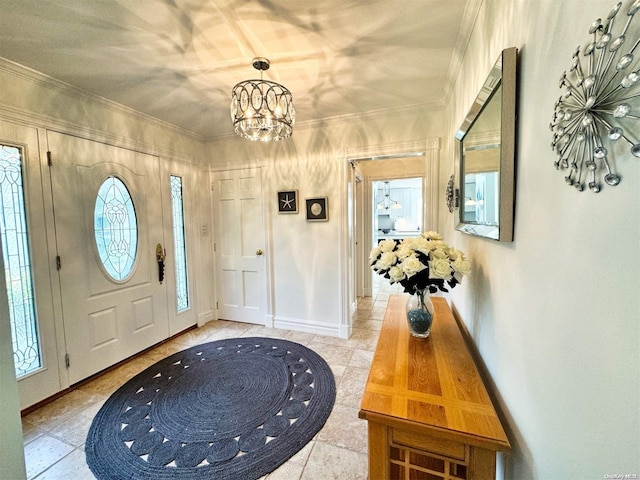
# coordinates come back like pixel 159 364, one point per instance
pixel 241 283
pixel 105 321
pixel 47 380
pixel 389 162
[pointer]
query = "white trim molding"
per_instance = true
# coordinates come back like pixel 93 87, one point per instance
pixel 309 326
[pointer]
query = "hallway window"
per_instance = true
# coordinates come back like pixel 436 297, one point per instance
pixel 17 264
pixel 116 229
pixel 180 247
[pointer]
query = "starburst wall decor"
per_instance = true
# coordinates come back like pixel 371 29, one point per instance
pixel 598 111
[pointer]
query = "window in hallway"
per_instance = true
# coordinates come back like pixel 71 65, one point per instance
pixel 17 264
pixel 180 248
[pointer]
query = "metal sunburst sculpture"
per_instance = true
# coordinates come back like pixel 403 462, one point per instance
pixel 595 110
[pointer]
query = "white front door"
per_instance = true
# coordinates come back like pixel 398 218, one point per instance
pixel 28 277
pixel 113 306
pixel 240 246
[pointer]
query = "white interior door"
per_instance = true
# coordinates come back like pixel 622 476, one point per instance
pixel 240 246
pixel 106 318
pixel 23 173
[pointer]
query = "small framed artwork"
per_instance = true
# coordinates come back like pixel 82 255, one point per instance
pixel 288 201
pixel 317 209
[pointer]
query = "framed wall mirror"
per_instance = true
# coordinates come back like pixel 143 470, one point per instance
pixel 486 153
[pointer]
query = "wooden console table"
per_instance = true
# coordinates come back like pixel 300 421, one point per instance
pixel 428 412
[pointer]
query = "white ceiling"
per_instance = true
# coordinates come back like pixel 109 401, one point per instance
pixel 177 60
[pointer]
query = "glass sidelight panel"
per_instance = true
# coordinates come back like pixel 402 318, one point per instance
pixel 180 247
pixel 17 263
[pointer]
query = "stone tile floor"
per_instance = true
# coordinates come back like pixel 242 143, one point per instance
pixel 54 435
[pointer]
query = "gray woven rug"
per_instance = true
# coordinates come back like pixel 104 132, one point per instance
pixel 230 409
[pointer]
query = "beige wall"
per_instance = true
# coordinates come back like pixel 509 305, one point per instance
pixel 555 314
pixel 308 260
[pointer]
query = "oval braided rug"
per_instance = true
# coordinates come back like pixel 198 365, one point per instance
pixel 235 408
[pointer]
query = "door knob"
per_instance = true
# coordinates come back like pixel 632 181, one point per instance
pixel 258 252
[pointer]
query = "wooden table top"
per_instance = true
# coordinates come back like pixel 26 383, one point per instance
pixel 430 382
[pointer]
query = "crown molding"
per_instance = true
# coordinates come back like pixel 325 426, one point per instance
pixel 469 18
pixel 10 67
pixel 361 116
pixel 392 150
pixel 43 80
pixel 35 120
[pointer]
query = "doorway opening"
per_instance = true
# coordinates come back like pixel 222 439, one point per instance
pixel 396 209
pixel 396 213
pixel 411 165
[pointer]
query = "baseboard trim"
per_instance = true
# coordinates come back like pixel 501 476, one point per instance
pixel 206 317
pixel 345 331
pixel 308 326
pixel 268 321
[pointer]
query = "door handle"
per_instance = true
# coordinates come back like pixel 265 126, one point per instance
pixel 161 254
pixel 258 252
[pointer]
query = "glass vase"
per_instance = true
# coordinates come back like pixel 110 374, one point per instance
pixel 420 314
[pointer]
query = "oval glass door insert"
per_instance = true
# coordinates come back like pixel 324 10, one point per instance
pixel 116 229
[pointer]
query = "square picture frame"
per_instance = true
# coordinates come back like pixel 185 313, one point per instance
pixel 288 201
pixel 317 209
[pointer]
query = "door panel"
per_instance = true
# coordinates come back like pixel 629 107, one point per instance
pixel 240 272
pixel 45 381
pixel 105 320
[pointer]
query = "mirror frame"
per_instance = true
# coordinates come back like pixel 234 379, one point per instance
pixel 505 72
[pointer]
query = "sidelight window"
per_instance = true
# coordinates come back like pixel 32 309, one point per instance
pixel 17 264
pixel 180 248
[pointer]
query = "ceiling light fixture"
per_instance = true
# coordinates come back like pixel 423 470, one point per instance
pixel 260 109
pixel 387 202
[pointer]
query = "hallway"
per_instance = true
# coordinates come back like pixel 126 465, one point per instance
pixel 54 435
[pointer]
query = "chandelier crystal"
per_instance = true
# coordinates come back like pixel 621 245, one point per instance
pixel 262 110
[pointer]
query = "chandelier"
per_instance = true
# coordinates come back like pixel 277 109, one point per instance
pixel 387 202
pixel 260 109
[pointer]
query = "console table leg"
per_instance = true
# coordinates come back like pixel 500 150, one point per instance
pixel 482 464
pixel 378 451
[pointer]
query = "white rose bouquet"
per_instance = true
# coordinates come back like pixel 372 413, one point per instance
pixel 420 263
